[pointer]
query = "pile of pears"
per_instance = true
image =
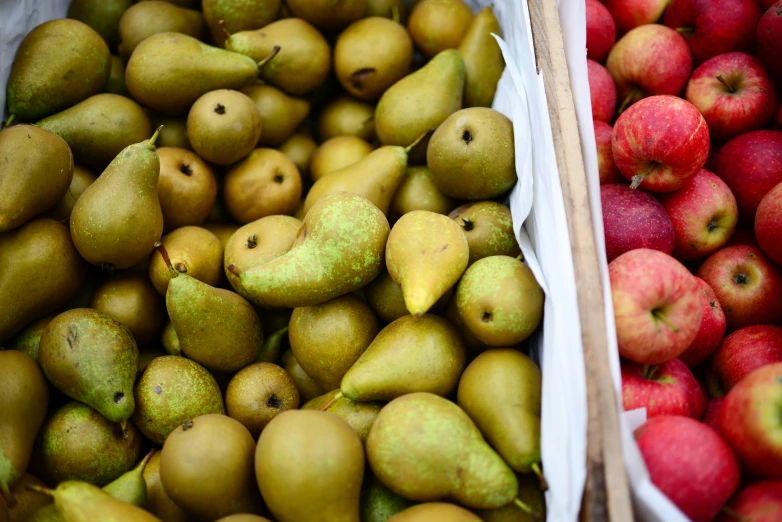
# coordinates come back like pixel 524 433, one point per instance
pixel 255 265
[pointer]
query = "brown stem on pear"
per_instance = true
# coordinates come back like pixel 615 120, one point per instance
pixel 724 82
pixel 733 514
pixel 358 77
pixel 221 23
pixel 154 136
pixel 5 492
pixel 234 270
pixel 187 425
pixel 40 489
pixel 659 315
pixel 10 121
pixel 123 426
pixel 543 483
pixel 520 257
pixel 167 260
pixel 395 14
pixel 418 140
pixel 145 460
pixel 334 399
pixel 269 58
pixel 526 508
pixel 639 178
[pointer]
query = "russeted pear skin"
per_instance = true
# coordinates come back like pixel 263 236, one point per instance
pixel 39 247
pixel 58 64
pixel 425 448
pixel 483 62
pixel 36 168
pixel 150 17
pixel 225 17
pixel 24 397
pixel 158 502
pixel 439 511
pixel 360 415
pixel 184 176
pixel 102 15
pixel 309 466
pixel 339 249
pixel 258 393
pixel 82 502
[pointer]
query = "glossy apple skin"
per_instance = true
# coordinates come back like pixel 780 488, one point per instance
pixel 704 215
pixel 769 39
pixel 602 92
pixel 667 388
pixel 657 306
pixel 663 139
pixel 690 463
pixel 751 165
pixel 601 31
pixel 747 285
pixel 647 61
pixel 609 173
pixel 714 27
pixel 712 416
pixel 712 328
pixel 633 219
pixel 749 421
pixel 746 350
pixel 768 224
pixel 745 102
pixel 758 502
pixel 629 14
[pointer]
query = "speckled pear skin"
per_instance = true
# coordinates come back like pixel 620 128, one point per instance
pixel 378 503
pixel 92 358
pixel 426 254
pixel 483 62
pixel 426 448
pixel 360 415
pixel 339 249
pixel 83 502
pixel 232 16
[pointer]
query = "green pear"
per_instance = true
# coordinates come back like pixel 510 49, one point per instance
pixel 99 128
pixel 299 148
pixel 192 250
pixel 82 178
pixel 417 191
pixel 378 503
pixel 435 511
pixel 426 254
pixel 488 226
pixel 102 15
pixel 37 170
pixel 151 17
pixel 346 116
pixel 258 393
pixel 226 17
pixel 412 354
pixel 58 64
pixel 425 448
pixel 360 415
pixel 117 220
pixel 116 82
pixel 338 250
pixel 273 345
pixel 173 134
pixel 308 388
pixel 280 113
pixel 158 502
pixel 483 62
pixel 130 486
pixel 78 501
pixel 28 340
pixel 421 101
pixel 91 357
pixel 386 299
pixel 529 506
pixel 170 341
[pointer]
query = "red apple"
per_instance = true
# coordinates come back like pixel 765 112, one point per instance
pixel 633 219
pixel 602 91
pixel 712 328
pixel 657 306
pixel 712 416
pixel 750 421
pixel 660 143
pixel 704 216
pixel 758 502
pixel 647 61
pixel 668 388
pixel 609 173
pixel 768 224
pixel 690 463
pixel 747 285
pixel 746 350
pixel 629 14
pixel 769 39
pixel 743 236
pixel 751 165
pixel 778 118
pixel 734 93
pixel 766 4
pixel 714 27
pixel 601 31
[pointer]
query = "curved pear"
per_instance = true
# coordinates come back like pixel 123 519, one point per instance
pixel 145 19
pixel 80 502
pixel 360 415
pixel 483 62
pixel 130 486
pixel 280 113
pixel 225 18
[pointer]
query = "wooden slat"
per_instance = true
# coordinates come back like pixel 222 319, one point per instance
pixel 606 496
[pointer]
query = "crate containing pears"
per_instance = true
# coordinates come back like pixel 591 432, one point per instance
pixel 293 261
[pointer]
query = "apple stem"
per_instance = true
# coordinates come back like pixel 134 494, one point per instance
pixel 269 58
pixel 724 82
pixel 627 101
pixel 639 178
pixel 334 399
pixel 526 508
pixel 657 314
pixel 648 371
pixel 733 514
pixel 543 483
pixel 685 31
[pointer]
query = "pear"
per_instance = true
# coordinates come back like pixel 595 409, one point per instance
pixel 280 113
pixel 58 64
pixel 346 116
pixel 130 486
pixel 4 515
pixel 170 341
pixel 37 167
pixel 394 9
pixel 158 502
pixel 27 501
pixel 500 301
pixel 483 62
pixel 116 81
pixel 24 397
pixel 273 345
pixel 149 17
pixel 131 299
pixel 258 393
pixel 92 358
pixel 304 57
pixel 338 250
pixel 529 506
pixel 206 467
pixel 222 231
pixel 102 15
pixel 78 443
pixel 488 226
pixel 78 501
pixel 243 517
pixel 378 503
pixel 421 101
pixel 426 254
pixel 173 133
pixel 308 388
pixel 328 338
pixel 300 148
pixel 425 448
pixel 192 250
pixel 225 18
pixel 474 346
pixel 28 340
pixel 417 191
pixel 161 70
pixel 327 15
pixel 360 415
pixel 187 187
pixel 82 178
pixel 435 511
pixel 436 25
pixel 309 466
pixel 337 153
pixel 171 391
pixel 117 220
pixel 387 300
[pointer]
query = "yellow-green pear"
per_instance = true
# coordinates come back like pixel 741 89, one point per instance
pixel 488 226
pixel 27 502
pixel 386 299
pixel 82 502
pixel 483 62
pixel 328 15
pixel 529 506
pixel 308 388
pixel 102 15
pixel 116 82
pixel 418 192
pixel 336 153
pixel 378 503
pixel 299 148
pixel 82 178
pixel 226 17
pixel 436 25
pixel 280 113
pixel 360 415
pixel 150 17
pixel 440 511
pixel 346 116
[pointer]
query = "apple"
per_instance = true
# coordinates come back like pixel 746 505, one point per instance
pixel 712 328
pixel 746 350
pixel 734 93
pixel 712 416
pixel 778 118
pixel 742 236
pixel 657 306
pixel 647 61
pixel 766 4
pixel 704 215
pixel 606 167
pixel 667 388
pixel 601 31
pixel 690 463
pixel 713 28
pixel 633 219
pixel 747 285
pixel 629 14
pixel 768 224
pixel 602 91
pixel 758 502
pixel 660 143
pixel 750 421
pixel 769 39
pixel 751 165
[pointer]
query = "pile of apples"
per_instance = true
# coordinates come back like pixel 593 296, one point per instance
pixel 685 106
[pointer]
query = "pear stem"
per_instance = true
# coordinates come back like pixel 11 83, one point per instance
pixel 234 270
pixel 221 23
pixel 724 82
pixel 526 508
pixel 334 399
pixel 395 14
pixel 167 260
pixel 10 121
pixel 639 178
pixel 154 136
pixel 145 460
pixel 269 58
pixel 418 140
pixel 543 484
pixel 124 426
pixel 40 489
pixel 5 492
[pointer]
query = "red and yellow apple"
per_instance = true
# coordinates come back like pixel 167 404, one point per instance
pixel 667 388
pixel 629 14
pixel 606 167
pixel 712 328
pixel 601 31
pixel 746 350
pixel 602 92
pixel 768 224
pixel 758 502
pixel 769 39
